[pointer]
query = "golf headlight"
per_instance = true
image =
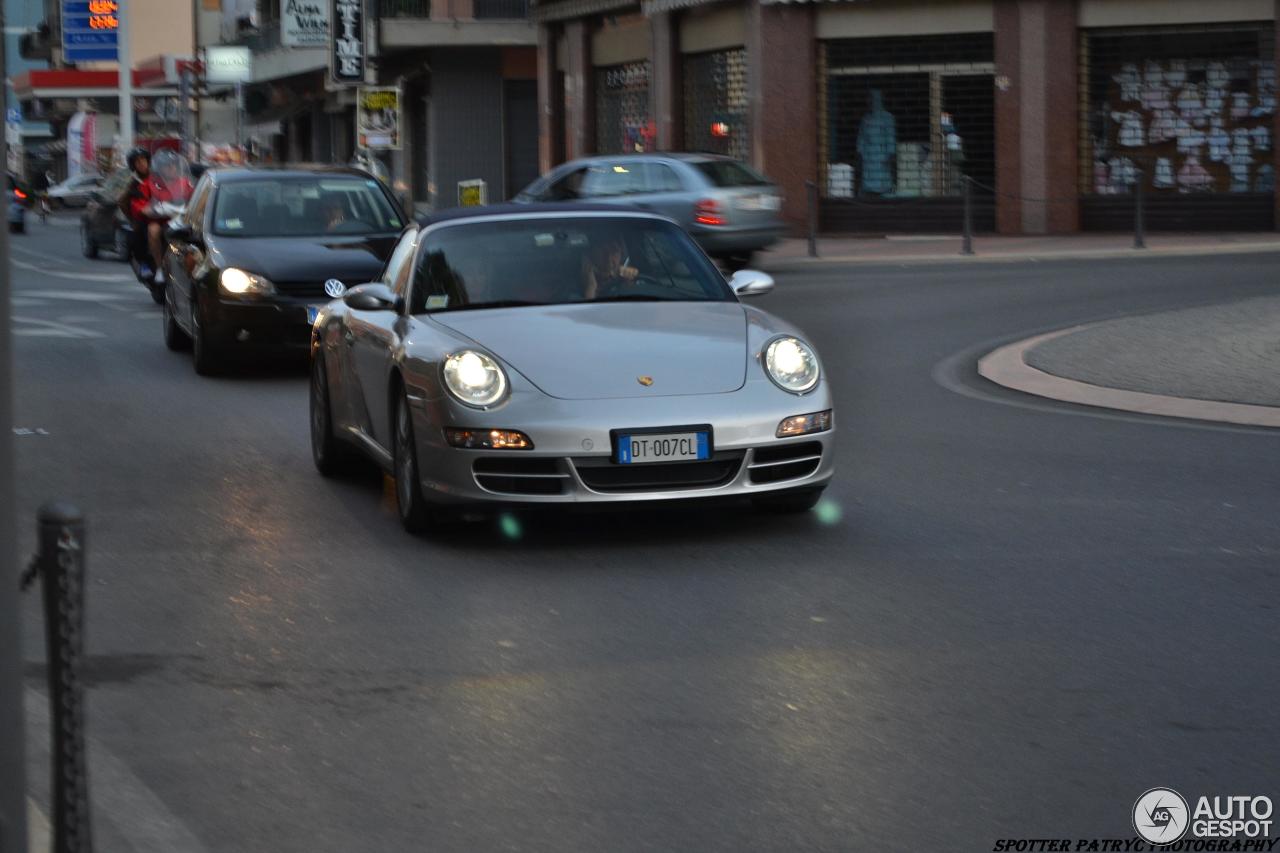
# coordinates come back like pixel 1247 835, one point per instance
pixel 238 283
pixel 791 364
pixel 474 378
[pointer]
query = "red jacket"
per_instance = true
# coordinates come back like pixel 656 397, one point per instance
pixel 154 189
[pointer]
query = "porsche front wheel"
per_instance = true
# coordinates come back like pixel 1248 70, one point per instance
pixel 415 514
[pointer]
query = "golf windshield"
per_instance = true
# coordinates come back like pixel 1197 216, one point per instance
pixel 303 206
pixel 557 260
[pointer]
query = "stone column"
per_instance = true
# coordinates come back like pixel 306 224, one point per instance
pixel 783 95
pixel 579 106
pixel 550 100
pixel 666 86
pixel 1037 121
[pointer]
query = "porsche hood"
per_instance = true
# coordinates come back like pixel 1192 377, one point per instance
pixel 614 350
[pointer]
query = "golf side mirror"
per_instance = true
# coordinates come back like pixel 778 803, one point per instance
pixel 751 283
pixel 374 296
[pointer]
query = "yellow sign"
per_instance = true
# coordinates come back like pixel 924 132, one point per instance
pixel 473 193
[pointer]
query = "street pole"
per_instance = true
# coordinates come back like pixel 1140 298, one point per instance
pixel 966 239
pixel 13 783
pixel 239 116
pixel 811 202
pixel 1139 215
pixel 125 60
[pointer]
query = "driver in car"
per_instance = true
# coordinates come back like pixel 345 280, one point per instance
pixel 606 270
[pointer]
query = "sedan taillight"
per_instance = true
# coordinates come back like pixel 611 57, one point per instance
pixel 707 212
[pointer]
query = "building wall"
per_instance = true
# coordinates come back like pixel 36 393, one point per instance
pixel 716 28
pixel 895 18
pixel 465 123
pixel 1130 13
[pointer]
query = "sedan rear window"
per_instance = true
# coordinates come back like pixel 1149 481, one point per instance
pixel 306 206
pixel 729 173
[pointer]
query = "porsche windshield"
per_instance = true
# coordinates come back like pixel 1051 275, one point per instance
pixel 303 206
pixel 560 260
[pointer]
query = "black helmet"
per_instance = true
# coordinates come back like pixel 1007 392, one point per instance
pixel 131 159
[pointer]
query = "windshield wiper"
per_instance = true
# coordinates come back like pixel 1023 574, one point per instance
pixel 634 297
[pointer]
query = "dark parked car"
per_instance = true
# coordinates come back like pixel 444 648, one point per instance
pixel 103 225
pixel 726 206
pixel 259 251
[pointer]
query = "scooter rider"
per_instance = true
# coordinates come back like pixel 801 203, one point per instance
pixel 167 183
pixel 135 203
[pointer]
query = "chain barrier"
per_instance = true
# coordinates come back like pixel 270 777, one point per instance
pixel 60 566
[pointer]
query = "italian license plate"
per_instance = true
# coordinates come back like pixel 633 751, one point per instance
pixel 313 311
pixel 641 447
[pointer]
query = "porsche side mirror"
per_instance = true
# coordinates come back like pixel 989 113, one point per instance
pixel 751 283
pixel 374 296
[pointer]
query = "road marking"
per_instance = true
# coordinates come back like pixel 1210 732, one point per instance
pixel 39 255
pixel 50 329
pixel 80 276
pixel 74 295
pixel 30 431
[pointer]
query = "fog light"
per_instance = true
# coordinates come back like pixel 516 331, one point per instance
pixel 805 424
pixel 487 439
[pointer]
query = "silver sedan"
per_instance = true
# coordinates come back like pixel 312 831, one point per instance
pixel 533 355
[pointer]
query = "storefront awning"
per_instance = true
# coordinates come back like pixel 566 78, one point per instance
pixel 564 10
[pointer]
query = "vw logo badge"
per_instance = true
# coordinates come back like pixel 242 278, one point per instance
pixel 334 288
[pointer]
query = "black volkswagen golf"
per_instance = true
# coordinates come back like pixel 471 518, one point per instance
pixel 260 250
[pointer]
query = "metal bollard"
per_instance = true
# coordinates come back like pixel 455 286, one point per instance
pixel 966 242
pixel 811 190
pixel 61 567
pixel 1139 215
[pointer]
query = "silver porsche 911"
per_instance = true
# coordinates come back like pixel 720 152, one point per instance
pixel 559 355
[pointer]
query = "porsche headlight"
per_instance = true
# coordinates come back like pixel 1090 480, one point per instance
pixel 474 378
pixel 239 283
pixel 791 364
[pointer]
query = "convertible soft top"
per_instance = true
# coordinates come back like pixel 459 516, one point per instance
pixel 509 209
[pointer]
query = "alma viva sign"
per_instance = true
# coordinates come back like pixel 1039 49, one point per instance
pixel 346 42
pixel 304 23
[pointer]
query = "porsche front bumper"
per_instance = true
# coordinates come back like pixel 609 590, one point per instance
pixel 572 458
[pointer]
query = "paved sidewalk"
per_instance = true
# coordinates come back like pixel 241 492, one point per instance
pixel 1227 353
pixel 932 249
pixel 1214 363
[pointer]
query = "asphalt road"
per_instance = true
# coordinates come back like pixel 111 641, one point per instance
pixel 1011 618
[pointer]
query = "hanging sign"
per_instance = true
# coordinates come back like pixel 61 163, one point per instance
pixel 346 42
pixel 378 117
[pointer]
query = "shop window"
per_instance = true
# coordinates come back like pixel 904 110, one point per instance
pixel 907 118
pixel 622 109
pixel 1184 110
pixel 715 103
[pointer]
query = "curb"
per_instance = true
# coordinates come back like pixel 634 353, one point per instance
pixel 39 833
pixel 1007 366
pixel 1015 257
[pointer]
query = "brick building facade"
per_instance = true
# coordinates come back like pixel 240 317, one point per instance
pixel 1053 110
